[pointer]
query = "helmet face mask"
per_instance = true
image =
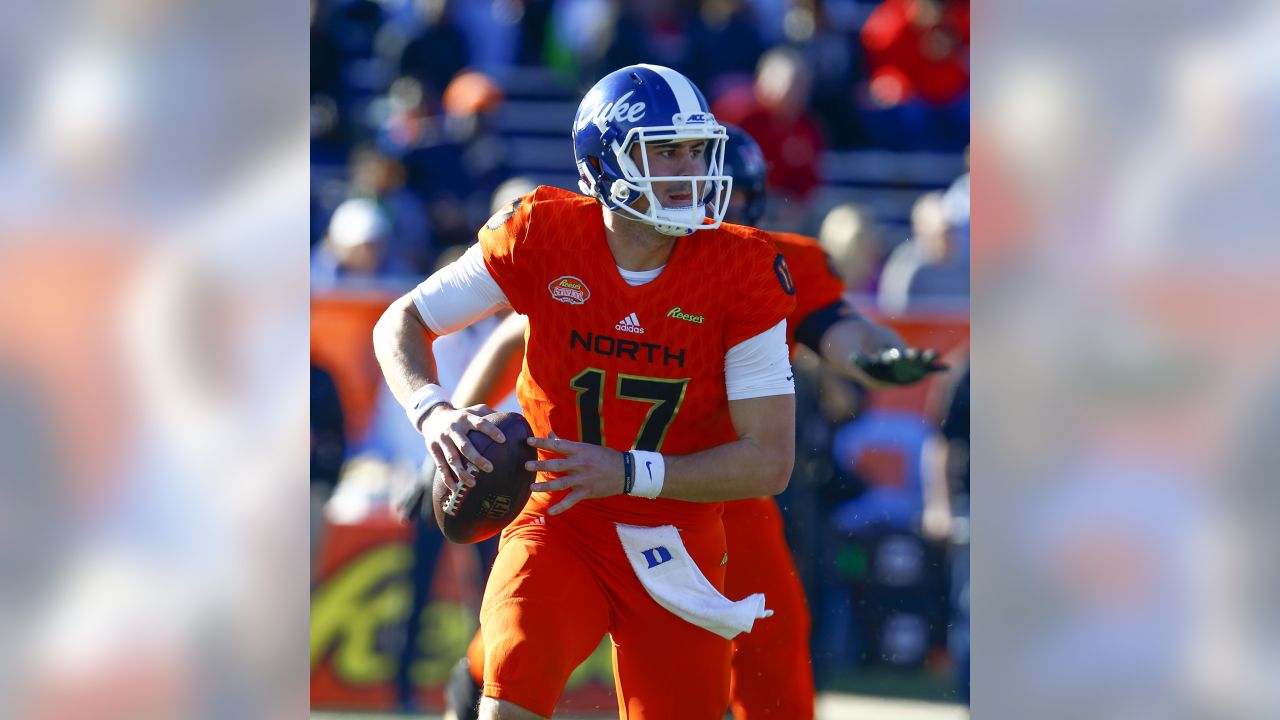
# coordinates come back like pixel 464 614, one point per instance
pixel 638 107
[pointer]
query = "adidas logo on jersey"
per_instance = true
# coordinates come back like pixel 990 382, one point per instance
pixel 630 324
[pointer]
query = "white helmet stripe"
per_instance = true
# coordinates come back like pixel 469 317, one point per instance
pixel 681 86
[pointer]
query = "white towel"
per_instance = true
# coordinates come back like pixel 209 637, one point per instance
pixel 673 580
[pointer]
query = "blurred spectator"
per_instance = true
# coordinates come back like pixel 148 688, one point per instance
pixel 883 597
pixel 826 38
pixel 955 205
pixel 851 237
pixel 770 19
pixel 328 434
pixel 946 518
pixel 411 119
pixel 355 244
pixel 316 217
pixel 509 190
pixel 928 266
pixel 579 32
pixel 472 93
pixel 649 31
pixel 470 104
pixel 534 26
pixel 455 159
pixel 345 74
pixel 438 51
pixel 725 45
pixel 415 129
pixel 496 29
pixel 883 448
pixel 326 58
pixel 380 178
pixel 824 400
pixel 775 113
pixel 918 53
pixel 352 26
pixel 918 49
pixel 328 452
pixel 956 198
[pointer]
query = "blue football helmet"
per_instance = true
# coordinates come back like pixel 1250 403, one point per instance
pixel 744 162
pixel 638 105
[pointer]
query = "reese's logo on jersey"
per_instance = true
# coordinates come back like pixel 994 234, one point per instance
pixel 569 289
pixel 680 314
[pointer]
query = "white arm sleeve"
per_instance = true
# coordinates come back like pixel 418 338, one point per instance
pixel 760 366
pixel 458 294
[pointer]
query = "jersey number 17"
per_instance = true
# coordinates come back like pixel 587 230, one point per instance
pixel 665 397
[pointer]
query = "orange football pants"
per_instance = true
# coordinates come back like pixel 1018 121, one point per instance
pixel 772 674
pixel 559 584
pixel 772 670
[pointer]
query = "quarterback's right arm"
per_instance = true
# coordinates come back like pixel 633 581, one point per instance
pixel 449 300
pixel 402 343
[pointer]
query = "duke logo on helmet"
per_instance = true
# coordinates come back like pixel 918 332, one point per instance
pixel 617 111
pixel 636 106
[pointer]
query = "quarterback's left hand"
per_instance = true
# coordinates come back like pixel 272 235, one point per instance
pixel 588 471
pixel 900 367
pixel 410 493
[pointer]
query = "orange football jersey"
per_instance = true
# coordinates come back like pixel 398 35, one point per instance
pixel 817 285
pixel 630 367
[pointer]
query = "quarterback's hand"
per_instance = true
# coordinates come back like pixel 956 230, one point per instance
pixel 445 430
pixel 899 367
pixel 588 471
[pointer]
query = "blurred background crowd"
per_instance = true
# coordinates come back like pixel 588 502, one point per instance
pixel 427 116
pixel 422 109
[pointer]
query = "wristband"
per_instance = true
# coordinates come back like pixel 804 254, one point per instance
pixel 628 472
pixel 650 472
pixel 426 397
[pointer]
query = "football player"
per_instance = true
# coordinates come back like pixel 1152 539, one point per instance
pixel 771 672
pixel 657 379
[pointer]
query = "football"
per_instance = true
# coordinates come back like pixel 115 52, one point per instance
pixel 470 515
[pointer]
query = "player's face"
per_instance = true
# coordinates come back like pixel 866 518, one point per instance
pixel 674 159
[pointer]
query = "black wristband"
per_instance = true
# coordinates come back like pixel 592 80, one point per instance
pixel 628 472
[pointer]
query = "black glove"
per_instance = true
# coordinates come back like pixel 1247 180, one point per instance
pixel 899 367
pixel 410 494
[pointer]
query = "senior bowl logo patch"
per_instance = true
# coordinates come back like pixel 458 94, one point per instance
pixel 569 289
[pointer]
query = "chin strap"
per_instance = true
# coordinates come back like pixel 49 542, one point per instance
pixel 620 192
pixel 692 217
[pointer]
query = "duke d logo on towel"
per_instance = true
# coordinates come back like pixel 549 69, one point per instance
pixel 656 556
